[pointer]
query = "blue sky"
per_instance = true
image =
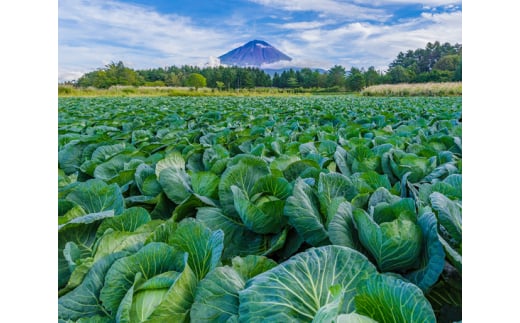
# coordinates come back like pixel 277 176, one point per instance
pixel 315 33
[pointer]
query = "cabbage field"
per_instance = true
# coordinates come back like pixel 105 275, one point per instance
pixel 261 209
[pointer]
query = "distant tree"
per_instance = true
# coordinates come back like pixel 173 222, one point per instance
pixel 321 79
pixel 112 74
pixel 457 75
pixel 276 80
pixel 292 82
pixel 286 76
pixel 372 77
pixel 308 78
pixel 336 76
pixel 220 85
pixel 423 60
pixel 400 74
pixel 355 79
pixel 196 80
pixel 248 78
pixel 434 76
pixel 229 76
pixel 447 63
pixel 173 79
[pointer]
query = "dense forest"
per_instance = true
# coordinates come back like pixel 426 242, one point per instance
pixel 435 63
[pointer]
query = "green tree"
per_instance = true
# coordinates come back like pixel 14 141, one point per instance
pixel 196 80
pixel 457 75
pixel 336 76
pixel 220 85
pixel 372 77
pixel 447 63
pixel 292 82
pixel 276 80
pixel 355 79
pixel 400 74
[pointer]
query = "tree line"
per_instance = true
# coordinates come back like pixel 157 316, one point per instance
pixel 435 63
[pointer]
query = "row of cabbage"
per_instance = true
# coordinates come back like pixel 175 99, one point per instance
pixel 329 209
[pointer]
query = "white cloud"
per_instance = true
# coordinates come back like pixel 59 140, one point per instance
pixel 364 44
pixel 329 7
pixel 93 33
pixel 430 3
pixel 304 24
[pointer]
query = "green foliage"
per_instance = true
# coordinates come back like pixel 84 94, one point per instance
pixel 112 74
pixel 448 63
pixel 196 80
pixel 299 288
pixel 355 80
pixel 336 76
pixel 400 74
pixel 246 209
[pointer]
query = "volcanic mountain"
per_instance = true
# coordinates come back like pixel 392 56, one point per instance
pixel 254 53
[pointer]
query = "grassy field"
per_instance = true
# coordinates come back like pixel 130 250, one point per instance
pixel 404 89
pixel 419 89
pixel 132 91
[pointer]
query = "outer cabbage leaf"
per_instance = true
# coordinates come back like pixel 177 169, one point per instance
pixel 173 160
pixel 381 195
pixel 328 312
pixel 205 184
pixel 131 309
pixel 263 212
pixel 216 297
pixel 342 229
pixel 340 157
pixel 395 245
pixel 95 195
pixel 84 300
pixel 244 175
pixel 302 209
pixel 68 210
pixel 238 240
pixel 104 153
pixel 176 303
pixel 401 209
pixel 334 185
pixel 111 168
pixel 402 163
pixel 299 169
pixel 146 180
pixel 114 241
pixel 153 259
pixel 386 298
pixel 203 245
pixel 70 156
pixel 354 318
pixel 128 221
pixel 296 289
pixel 176 184
pixel 76 277
pixel 188 207
pixel 364 159
pixel 449 214
pixel 81 231
pixel 454 257
pixel 432 255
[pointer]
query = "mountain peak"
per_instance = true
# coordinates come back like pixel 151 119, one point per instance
pixel 254 53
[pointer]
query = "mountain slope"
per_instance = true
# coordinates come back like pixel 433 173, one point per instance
pixel 254 53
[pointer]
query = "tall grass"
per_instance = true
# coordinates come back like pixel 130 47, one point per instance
pixel 117 91
pixel 416 89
